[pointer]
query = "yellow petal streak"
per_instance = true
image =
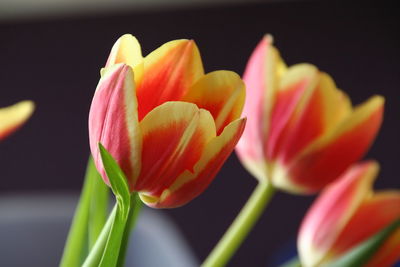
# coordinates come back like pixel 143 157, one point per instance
pixel 220 92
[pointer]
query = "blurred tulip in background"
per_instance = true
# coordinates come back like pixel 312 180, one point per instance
pixel 302 131
pixel 347 213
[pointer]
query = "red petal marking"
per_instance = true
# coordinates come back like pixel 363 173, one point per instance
pixel 318 168
pixel 173 143
pixel 286 103
pixel 372 216
pixel 301 130
pixel 168 76
pixel 107 120
pixel 212 162
pixel 332 210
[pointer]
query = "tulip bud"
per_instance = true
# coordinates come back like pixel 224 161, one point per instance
pixel 346 214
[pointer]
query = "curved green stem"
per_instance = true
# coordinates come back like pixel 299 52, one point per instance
pixel 136 206
pixel 241 226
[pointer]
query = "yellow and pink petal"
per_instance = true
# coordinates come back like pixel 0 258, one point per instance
pixel 262 76
pixel 296 114
pixel 113 121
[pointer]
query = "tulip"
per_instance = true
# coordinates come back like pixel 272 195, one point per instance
pixel 169 126
pixel 347 213
pixel 12 117
pixel 302 131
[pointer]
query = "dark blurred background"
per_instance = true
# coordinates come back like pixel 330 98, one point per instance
pixel 52 55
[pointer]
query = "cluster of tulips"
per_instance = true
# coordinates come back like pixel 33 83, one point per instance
pixel 160 129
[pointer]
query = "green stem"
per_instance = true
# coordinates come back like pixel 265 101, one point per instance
pixel 98 209
pixel 241 226
pixel 136 205
pixel 92 204
pixel 96 253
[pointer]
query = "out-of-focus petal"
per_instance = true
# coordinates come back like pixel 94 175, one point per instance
pixel 388 254
pixel 113 121
pixel 338 149
pixel 296 88
pixel 169 72
pixel 262 76
pixel 220 92
pixel 171 145
pixel 332 211
pixel 318 112
pixel 372 215
pixel 12 117
pixel 191 183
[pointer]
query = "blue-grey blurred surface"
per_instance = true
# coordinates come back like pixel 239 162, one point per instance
pixel 33 229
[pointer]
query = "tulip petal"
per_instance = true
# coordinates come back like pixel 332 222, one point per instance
pixel 315 116
pixel 171 144
pixel 262 75
pixel 190 184
pixel 379 211
pixel 169 72
pixel 338 149
pixel 12 117
pixel 296 89
pixel 125 50
pixel 220 92
pixel 114 123
pixel 332 210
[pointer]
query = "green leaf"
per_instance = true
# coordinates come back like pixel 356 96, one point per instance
pixel 109 243
pixel 95 255
pixel 361 254
pixel 118 181
pixel 111 251
pixel 92 204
